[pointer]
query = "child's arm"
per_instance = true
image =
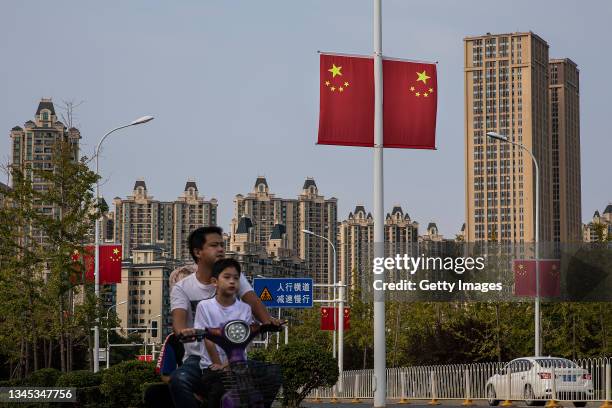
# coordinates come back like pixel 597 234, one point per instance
pixel 212 352
pixel 200 322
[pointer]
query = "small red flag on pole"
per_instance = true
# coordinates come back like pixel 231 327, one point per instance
pixel 110 263
pixel 525 277
pixel 327 318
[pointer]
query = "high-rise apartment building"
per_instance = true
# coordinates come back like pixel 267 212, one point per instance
pixel 262 220
pixel 356 237
pixel 33 148
pixel 190 211
pixel 141 220
pixel 600 227
pixel 144 285
pixel 507 91
pixel 319 215
pixel 264 210
pixel 564 122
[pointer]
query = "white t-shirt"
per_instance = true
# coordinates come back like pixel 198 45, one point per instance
pixel 211 313
pixel 186 295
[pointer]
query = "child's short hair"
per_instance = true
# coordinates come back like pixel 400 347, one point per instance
pixel 223 264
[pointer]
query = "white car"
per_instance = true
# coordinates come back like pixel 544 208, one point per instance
pixel 531 379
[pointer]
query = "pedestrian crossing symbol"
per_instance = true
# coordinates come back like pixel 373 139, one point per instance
pixel 265 295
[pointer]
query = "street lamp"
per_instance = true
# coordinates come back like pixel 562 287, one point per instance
pixel 139 121
pixel 108 348
pixel 340 326
pixel 502 138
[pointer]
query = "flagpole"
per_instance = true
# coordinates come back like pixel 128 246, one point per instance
pixel 380 378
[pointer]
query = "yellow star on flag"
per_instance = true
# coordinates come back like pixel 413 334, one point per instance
pixel 335 70
pixel 326 83
pixel 333 88
pixel 341 89
pixel 346 84
pixel 115 251
pixel 430 90
pixel 412 89
pixel 426 94
pixel 418 94
pixel 422 77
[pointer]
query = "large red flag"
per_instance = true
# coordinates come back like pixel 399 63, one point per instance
pixel 346 115
pixel 110 263
pixel 410 101
pixel 525 277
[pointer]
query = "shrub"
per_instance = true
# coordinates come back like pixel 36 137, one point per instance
pixel 12 383
pixel 45 377
pixel 79 379
pixel 89 397
pixel 259 354
pixel 122 383
pixel 306 366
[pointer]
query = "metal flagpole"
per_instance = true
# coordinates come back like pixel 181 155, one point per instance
pixel 380 380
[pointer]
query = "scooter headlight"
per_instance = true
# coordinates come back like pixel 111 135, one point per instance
pixel 237 331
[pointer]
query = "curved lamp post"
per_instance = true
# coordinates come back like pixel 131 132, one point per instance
pixel 502 138
pixel 139 121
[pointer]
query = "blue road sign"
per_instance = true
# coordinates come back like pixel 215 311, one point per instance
pixel 284 292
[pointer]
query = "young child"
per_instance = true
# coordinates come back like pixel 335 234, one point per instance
pixel 213 313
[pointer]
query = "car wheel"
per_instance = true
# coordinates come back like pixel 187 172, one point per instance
pixel 491 396
pixel 580 403
pixel 529 396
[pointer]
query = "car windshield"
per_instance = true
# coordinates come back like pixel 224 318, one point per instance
pixel 555 362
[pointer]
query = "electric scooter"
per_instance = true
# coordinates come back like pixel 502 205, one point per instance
pixel 246 383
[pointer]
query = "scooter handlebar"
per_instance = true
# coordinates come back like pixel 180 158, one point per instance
pixel 256 329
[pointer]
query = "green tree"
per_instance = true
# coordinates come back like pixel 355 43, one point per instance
pixel 306 366
pixel 40 230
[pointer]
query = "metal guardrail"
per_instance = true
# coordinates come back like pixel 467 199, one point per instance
pixel 541 378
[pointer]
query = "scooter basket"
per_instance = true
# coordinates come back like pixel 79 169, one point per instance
pixel 251 384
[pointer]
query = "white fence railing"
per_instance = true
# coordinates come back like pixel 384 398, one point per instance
pixel 523 379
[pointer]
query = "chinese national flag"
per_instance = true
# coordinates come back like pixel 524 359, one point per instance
pixel 550 277
pixel 327 318
pixel 346 114
pixel 410 102
pixel 110 264
pixel 525 277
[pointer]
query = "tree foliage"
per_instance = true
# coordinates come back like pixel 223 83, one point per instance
pixel 46 215
pixel 305 365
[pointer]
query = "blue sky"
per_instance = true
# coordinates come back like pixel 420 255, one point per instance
pixel 234 88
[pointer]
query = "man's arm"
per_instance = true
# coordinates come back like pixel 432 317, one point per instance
pixel 179 320
pixel 179 303
pixel 259 309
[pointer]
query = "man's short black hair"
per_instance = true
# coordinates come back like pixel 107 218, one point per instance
pixel 197 238
pixel 223 264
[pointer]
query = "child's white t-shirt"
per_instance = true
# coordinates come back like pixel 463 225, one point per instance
pixel 188 292
pixel 211 314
